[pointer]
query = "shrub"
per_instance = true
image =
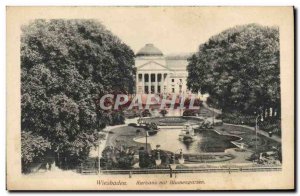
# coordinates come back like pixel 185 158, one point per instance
pixel 238 118
pixel 163 112
pixel 189 112
pixel 144 160
pixel 117 118
pixel 218 116
pixel 205 125
pixel 146 113
pixel 147 160
pixel 197 102
pixel 114 158
pixel 151 126
pixel 132 124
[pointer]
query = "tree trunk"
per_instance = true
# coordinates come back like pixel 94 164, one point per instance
pixel 273 111
pixel 279 112
pixel 264 112
pixel 267 112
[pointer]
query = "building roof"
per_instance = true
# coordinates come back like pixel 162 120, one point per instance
pixel 149 50
pixel 181 56
pixel 177 61
pixel 177 64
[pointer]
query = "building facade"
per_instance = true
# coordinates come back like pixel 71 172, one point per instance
pixel 159 74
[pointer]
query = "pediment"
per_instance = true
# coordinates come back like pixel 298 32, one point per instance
pixel 151 66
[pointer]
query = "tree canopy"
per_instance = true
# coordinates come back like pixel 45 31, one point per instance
pixel 66 65
pixel 239 69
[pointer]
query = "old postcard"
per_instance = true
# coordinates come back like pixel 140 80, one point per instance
pixel 150 98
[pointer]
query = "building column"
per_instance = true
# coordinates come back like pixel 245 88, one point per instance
pixel 149 82
pixel 155 84
pixel 166 82
pixel 156 80
pixel 163 83
pixel 159 82
pixel 137 83
pixel 143 84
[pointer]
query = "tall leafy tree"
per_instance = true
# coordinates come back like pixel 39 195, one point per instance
pixel 66 66
pixel 239 68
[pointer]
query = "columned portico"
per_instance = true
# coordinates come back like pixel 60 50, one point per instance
pixel 157 74
pixel 149 82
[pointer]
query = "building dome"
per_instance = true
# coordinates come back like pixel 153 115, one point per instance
pixel 149 50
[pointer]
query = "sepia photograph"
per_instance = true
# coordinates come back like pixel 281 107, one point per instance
pixel 150 98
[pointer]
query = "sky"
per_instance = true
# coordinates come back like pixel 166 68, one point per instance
pixel 176 31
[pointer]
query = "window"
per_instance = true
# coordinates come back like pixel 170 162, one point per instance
pixel 146 90
pixel 180 88
pixel 173 90
pixel 173 80
pixel 152 78
pixel 152 90
pixel 140 77
pixel 158 77
pixel 146 77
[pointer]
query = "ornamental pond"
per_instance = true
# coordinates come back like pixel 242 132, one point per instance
pixel 204 142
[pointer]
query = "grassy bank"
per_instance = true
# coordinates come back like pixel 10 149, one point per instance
pixel 123 136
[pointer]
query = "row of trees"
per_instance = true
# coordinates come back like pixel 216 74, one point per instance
pixel 66 66
pixel 239 69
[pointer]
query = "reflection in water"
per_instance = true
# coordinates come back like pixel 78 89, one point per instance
pixel 207 141
pixel 171 112
pixel 188 144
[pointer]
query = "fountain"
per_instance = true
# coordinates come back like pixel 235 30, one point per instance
pixel 187 133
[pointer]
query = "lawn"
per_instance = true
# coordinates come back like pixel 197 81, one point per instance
pixel 248 137
pixel 123 136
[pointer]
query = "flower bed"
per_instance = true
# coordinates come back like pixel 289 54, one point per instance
pixel 172 120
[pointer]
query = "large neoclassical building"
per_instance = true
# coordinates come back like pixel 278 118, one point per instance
pixel 159 74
